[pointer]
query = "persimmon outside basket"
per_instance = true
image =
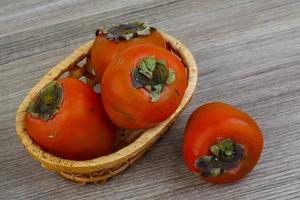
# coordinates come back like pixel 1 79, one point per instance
pixel 132 144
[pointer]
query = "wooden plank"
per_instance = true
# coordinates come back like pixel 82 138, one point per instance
pixel 248 54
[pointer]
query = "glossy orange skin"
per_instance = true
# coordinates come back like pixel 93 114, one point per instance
pixel 215 121
pixel 104 51
pixel 80 130
pixel 131 108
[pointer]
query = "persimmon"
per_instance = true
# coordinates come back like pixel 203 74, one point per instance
pixel 221 144
pixel 143 86
pixel 67 119
pixel 113 40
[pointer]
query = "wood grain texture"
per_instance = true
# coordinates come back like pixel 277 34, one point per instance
pixel 248 54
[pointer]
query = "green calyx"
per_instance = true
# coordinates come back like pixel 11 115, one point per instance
pixel 47 102
pixel 125 31
pixel 152 75
pixel 225 155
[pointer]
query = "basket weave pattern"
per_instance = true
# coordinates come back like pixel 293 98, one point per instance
pixel 132 144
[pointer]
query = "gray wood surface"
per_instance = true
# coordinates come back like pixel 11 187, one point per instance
pixel 248 54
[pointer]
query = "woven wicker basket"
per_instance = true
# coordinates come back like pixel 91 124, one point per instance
pixel 131 144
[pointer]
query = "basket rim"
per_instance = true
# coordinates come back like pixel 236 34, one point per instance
pixel 123 154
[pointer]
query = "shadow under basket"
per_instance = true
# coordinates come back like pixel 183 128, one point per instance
pixel 132 144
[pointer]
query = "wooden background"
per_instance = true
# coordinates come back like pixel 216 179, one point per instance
pixel 248 54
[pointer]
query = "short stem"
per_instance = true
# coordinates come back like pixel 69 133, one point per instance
pixel 152 75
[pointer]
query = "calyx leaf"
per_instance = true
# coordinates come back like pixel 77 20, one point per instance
pixel 48 102
pixel 126 31
pixel 226 155
pixel 147 66
pixel 155 94
pixel 171 77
